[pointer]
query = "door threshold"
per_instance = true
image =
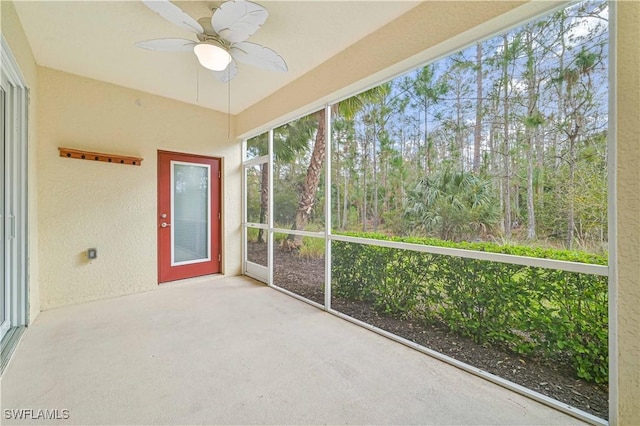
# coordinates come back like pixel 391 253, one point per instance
pixel 9 344
pixel 192 280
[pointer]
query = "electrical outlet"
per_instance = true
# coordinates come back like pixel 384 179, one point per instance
pixel 92 253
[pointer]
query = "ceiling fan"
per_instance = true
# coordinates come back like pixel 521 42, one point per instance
pixel 221 38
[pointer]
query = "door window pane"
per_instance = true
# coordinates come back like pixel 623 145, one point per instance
pixel 190 212
pixel 5 285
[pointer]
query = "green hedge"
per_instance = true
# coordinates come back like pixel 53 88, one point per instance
pixel 537 311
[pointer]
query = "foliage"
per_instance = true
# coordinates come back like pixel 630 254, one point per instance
pixel 279 237
pixel 253 194
pixel 530 310
pixel 252 234
pixel 523 113
pixel 312 248
pixel 505 140
pixel 454 206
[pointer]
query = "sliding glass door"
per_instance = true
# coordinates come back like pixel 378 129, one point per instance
pixel 14 99
pixel 4 294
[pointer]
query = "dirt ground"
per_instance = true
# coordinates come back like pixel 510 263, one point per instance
pixel 306 278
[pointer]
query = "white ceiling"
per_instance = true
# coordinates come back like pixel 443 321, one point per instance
pixel 96 39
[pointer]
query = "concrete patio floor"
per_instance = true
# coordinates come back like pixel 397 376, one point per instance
pixel 230 351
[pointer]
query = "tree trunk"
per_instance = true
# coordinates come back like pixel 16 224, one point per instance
pixel 560 116
pixel 364 182
pixel 531 218
pixel 345 204
pixel 427 145
pixel 571 210
pixel 541 170
pixel 264 199
pixel 529 135
pixel 506 147
pixel 312 181
pixel 459 139
pixel 477 137
pixel 335 181
pixel 375 178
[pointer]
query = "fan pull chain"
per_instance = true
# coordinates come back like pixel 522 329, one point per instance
pixel 229 102
pixel 197 83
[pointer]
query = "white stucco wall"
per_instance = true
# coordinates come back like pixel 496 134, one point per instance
pixel 626 300
pixel 113 207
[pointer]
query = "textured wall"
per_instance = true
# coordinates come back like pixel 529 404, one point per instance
pixel 15 36
pixel 112 207
pixel 627 310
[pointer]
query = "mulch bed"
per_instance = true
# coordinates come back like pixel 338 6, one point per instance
pixel 306 278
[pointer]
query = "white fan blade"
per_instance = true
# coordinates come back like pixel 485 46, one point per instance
pixel 174 14
pixel 258 56
pixel 237 20
pixel 228 73
pixel 167 45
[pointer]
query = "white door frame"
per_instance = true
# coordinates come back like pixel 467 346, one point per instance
pixel 5 321
pixel 15 215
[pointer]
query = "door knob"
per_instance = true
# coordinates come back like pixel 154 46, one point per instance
pixel 165 224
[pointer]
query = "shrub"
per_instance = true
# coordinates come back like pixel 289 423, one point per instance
pixel 529 310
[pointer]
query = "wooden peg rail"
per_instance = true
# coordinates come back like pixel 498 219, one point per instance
pixel 97 156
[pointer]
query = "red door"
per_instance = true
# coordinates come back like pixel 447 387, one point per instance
pixel 189 216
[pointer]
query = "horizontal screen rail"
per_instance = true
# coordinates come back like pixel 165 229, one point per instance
pixel 257 161
pixel 255 225
pixel 537 262
pixel 320 234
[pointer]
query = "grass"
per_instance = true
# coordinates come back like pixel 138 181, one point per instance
pixel 252 234
pixel 312 248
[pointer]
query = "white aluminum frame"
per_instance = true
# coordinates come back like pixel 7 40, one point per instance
pixel 535 11
pixel 256 161
pixel 319 234
pixel 270 212
pixel 254 270
pixel 535 262
pixel 327 208
pixel 243 209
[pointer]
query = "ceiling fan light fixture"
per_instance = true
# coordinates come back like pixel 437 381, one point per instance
pixel 212 56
